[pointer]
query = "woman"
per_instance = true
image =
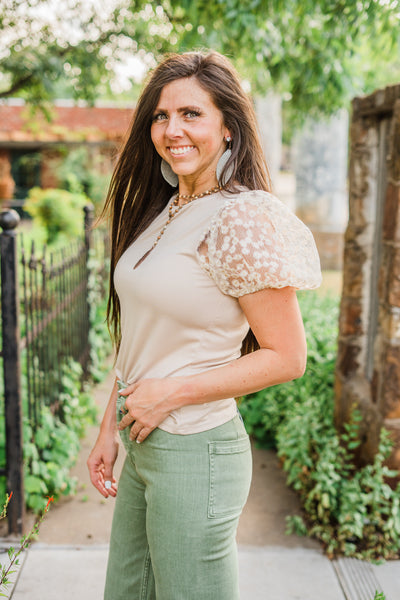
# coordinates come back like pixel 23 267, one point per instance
pixel 204 267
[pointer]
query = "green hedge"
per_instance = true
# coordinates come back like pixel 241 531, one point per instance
pixel 352 511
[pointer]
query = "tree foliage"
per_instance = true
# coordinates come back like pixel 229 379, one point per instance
pixel 307 49
pixel 318 53
pixel 73 46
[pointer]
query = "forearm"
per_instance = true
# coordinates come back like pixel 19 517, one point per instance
pixel 109 421
pixel 253 372
pixel 105 451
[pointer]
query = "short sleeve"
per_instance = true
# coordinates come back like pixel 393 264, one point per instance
pixel 256 242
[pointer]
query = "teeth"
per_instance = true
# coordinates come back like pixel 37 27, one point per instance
pixel 181 150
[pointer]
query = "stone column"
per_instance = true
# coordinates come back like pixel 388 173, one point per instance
pixel 368 365
pixel 387 372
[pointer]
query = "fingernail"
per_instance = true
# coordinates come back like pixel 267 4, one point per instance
pixel 137 441
pixel 107 485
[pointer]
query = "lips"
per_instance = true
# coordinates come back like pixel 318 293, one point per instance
pixel 180 150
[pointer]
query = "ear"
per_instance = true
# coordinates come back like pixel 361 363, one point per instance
pixel 227 136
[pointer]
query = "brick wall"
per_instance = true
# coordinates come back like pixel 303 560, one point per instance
pixel 68 123
pixel 101 129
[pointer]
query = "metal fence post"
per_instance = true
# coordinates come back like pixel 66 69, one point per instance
pixel 89 218
pixel 9 220
pixel 88 222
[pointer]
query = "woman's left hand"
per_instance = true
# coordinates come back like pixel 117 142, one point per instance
pixel 148 402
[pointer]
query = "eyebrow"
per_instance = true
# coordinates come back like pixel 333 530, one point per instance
pixel 183 109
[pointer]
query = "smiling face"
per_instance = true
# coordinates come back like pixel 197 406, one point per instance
pixel 189 133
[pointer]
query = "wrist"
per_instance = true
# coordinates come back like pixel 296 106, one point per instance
pixel 188 392
pixel 108 435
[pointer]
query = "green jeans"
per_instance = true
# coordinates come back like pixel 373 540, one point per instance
pixel 176 514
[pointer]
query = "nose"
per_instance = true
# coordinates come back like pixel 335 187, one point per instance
pixel 174 128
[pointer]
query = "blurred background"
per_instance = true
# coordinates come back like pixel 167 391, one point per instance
pixel 70 73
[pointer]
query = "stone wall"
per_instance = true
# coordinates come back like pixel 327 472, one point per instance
pixel 330 246
pixel 320 164
pixel 269 117
pixel 368 367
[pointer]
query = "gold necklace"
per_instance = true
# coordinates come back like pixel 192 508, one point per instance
pixel 173 210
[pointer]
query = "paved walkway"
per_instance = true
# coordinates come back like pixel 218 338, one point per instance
pixel 70 557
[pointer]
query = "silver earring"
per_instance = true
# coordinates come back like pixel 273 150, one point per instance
pixel 221 165
pixel 168 174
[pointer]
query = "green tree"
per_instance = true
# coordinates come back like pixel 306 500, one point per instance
pixel 73 46
pixel 317 53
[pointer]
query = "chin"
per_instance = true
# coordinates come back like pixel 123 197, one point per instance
pixel 185 172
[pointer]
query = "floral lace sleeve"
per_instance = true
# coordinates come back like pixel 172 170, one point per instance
pixel 256 242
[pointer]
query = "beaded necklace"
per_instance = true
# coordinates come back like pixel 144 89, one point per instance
pixel 174 209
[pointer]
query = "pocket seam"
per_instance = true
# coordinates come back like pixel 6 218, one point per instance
pixel 229 447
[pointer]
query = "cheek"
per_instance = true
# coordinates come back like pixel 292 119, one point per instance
pixel 213 138
pixel 155 137
pixel 211 143
pixel 213 146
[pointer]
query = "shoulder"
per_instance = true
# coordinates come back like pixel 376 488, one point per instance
pixel 252 202
pixel 255 210
pixel 255 241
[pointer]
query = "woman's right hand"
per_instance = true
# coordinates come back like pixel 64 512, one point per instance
pixel 101 462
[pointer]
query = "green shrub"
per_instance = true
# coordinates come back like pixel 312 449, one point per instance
pixel 80 172
pixel 51 448
pixel 352 511
pixel 264 411
pixel 58 212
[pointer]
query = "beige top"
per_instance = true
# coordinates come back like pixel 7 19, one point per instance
pixel 179 309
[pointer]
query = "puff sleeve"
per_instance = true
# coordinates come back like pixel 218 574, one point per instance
pixel 256 242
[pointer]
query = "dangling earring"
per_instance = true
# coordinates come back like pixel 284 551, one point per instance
pixel 221 165
pixel 168 174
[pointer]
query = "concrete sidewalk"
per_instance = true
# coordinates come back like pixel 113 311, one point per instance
pixel 70 557
pixel 53 572
pixel 62 573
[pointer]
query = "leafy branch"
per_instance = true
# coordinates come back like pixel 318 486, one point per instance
pixel 14 553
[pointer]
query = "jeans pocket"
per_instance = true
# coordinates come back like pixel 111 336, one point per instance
pixel 230 476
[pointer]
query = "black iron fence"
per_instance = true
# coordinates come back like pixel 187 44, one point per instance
pixel 45 320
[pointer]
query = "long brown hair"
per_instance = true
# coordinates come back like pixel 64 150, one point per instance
pixel 138 192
